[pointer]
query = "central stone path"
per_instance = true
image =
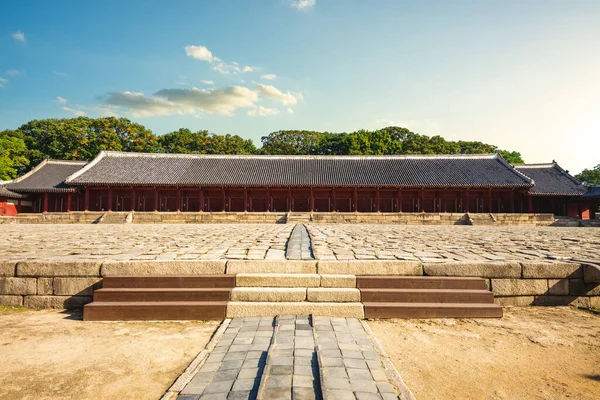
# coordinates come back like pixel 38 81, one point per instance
pixel 292 357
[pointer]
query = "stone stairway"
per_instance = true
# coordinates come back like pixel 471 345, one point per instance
pixel 167 297
pixel 114 218
pixel 298 217
pixel 426 297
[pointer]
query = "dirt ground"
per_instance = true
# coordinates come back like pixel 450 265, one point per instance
pixel 51 354
pixel 531 353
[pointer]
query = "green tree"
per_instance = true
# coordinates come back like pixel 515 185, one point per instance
pixel 185 141
pixel 590 175
pixel 292 143
pixel 13 154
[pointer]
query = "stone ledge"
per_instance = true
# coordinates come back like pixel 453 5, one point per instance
pixel 480 269
pixel 278 280
pixel 338 281
pixel 591 273
pixel 271 266
pixel 207 267
pixel 249 309
pixel 58 268
pixel 8 268
pixel 261 294
pixel 516 301
pixel 333 295
pixel 68 302
pixel 519 287
pixel 18 286
pixel 551 270
pixel 370 267
pixel 76 286
pixel 13 301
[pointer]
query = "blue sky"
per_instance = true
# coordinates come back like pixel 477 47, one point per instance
pixel 523 75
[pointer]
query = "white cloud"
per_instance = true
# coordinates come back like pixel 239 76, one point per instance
pixel 78 113
pixel 214 101
pixel 261 111
pixel 268 77
pixel 13 72
pixel 61 74
pixel 18 36
pixel 139 105
pixel 274 93
pixel 61 100
pixel 303 4
pixel 290 111
pixel 199 53
pixel 3 82
pixel 208 82
pixel 204 54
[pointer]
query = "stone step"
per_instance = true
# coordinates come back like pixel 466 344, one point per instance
pixel 431 310
pixel 161 294
pixel 426 296
pixel 295 294
pixel 169 281
pixel 265 309
pixel 277 280
pixel 419 282
pixel 155 311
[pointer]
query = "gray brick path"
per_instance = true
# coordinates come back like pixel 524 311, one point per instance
pixel 291 357
pixel 299 246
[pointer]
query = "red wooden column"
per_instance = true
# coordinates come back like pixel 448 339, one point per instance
pixel 178 208
pixel 290 199
pixel 334 200
pixel 312 200
pixel 69 197
pixel 355 199
pixel 45 202
pixel 86 201
pixel 490 201
pixel 445 201
pixel 110 199
pixel 268 200
pixel 421 200
pixel 399 200
pixel 378 206
pixel 530 204
pixel 201 200
pixel 223 195
pixel 155 199
pixel 133 199
pixel 245 199
pixel 468 202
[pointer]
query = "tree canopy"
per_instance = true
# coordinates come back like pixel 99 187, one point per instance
pixel 590 175
pixel 83 138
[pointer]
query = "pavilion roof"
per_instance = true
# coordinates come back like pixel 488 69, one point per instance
pixel 551 180
pixel 418 171
pixel 4 192
pixel 593 191
pixel 49 176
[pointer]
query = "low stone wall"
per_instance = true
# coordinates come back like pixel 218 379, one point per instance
pixel 79 217
pixel 49 284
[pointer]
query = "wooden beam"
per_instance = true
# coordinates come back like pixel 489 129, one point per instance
pixel 245 199
pixel 178 200
pixel 312 200
pixel 333 198
pixel 399 200
pixel 45 202
pixel 86 202
pixel 356 199
pixel 268 200
pixel 110 199
pixel 378 200
pixel 155 199
pixel 201 200
pixel 133 199
pixel 224 199
pixel 69 202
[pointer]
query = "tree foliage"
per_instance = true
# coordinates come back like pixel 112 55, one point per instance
pixel 590 175
pixel 83 138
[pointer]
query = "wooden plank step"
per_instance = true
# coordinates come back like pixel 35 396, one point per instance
pixel 431 310
pixel 162 294
pixel 426 296
pixel 155 311
pixel 168 281
pixel 419 282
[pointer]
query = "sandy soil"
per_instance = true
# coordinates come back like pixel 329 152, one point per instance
pixel 531 353
pixel 54 355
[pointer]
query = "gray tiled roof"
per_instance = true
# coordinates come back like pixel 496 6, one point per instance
pixel 48 176
pixel 4 192
pixel 551 179
pixel 140 169
pixel 593 191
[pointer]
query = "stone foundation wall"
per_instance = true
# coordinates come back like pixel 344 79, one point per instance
pixel 77 217
pixel 48 284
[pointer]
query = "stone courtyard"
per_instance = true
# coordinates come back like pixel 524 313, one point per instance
pixel 183 242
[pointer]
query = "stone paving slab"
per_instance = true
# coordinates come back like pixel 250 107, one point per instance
pixel 452 244
pixel 291 357
pixel 182 242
